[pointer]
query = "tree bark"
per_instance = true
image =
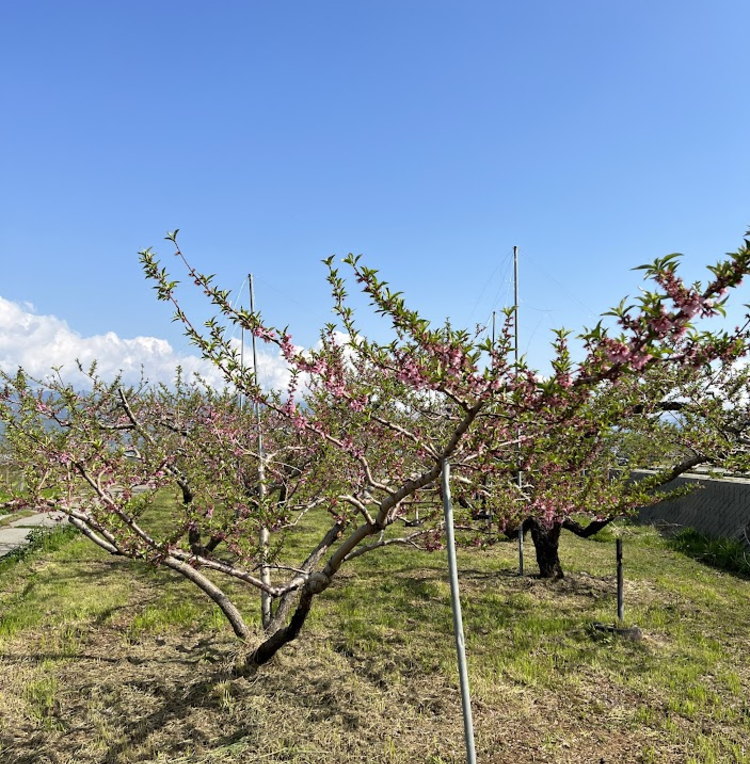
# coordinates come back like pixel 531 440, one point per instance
pixel 546 540
pixel 586 531
pixel 286 634
pixel 231 613
pixel 315 584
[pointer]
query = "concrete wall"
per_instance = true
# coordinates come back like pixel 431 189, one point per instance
pixel 718 508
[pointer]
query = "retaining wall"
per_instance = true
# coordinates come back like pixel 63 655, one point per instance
pixel 718 508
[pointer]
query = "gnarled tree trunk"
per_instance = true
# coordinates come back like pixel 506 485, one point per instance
pixel 546 540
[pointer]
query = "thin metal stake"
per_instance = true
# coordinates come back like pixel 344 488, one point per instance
pixel 265 535
pixel 458 628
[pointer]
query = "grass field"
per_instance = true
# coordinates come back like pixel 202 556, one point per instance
pixel 102 660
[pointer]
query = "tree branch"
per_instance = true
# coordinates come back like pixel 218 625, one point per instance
pixel 217 595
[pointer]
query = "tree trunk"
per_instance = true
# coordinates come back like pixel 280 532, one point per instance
pixel 546 540
pixel 315 584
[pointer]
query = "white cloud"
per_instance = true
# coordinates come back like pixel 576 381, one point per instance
pixel 38 343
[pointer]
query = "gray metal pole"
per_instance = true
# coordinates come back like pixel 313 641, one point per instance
pixel 264 539
pixel 261 456
pixel 255 354
pixel 458 628
pixel 516 356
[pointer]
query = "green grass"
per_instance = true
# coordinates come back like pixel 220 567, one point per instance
pixel 39 540
pixel 107 660
pixel 725 554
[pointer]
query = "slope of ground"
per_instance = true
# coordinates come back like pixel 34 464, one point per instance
pixel 102 660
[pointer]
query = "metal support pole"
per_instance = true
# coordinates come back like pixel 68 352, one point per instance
pixel 264 538
pixel 458 628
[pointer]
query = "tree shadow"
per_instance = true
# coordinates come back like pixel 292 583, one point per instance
pixel 60 735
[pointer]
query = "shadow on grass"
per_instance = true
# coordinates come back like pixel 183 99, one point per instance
pixel 727 555
pixel 126 679
pixel 168 708
pixel 175 705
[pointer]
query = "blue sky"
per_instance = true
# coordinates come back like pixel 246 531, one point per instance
pixel 431 136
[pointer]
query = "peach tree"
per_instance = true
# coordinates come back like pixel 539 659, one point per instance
pixel 591 423
pixel 337 460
